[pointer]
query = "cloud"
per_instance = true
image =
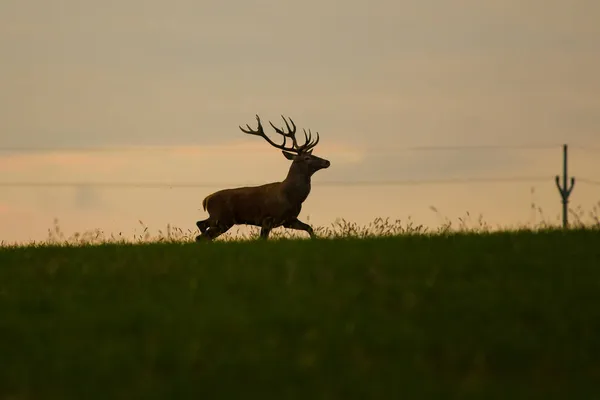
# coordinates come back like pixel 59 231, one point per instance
pixel 41 163
pixel 167 164
pixel 189 73
pixel 86 197
pixel 4 209
pixel 18 221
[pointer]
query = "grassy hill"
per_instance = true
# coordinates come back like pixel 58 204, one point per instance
pixel 495 316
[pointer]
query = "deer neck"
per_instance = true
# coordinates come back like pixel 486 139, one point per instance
pixel 296 185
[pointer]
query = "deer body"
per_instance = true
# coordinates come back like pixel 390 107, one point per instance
pixel 270 205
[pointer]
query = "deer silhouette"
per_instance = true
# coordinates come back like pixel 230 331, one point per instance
pixel 270 205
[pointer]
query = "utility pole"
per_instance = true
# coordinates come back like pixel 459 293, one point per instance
pixel 565 190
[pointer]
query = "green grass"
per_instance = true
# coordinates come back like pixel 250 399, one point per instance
pixel 456 315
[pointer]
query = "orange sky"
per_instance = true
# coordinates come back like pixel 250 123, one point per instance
pixel 374 78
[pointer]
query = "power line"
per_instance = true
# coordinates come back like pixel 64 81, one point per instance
pixel 41 149
pixel 589 149
pixel 229 148
pixel 481 147
pixel 589 181
pixel 409 182
pixel 166 185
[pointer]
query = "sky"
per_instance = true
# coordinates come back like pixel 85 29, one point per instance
pixel 153 91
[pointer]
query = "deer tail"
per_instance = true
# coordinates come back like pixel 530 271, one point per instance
pixel 205 202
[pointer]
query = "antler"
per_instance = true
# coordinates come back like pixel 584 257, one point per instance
pixel 291 133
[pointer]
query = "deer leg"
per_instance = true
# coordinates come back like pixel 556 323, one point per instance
pixel 266 227
pixel 215 231
pixel 264 232
pixel 203 225
pixel 301 226
pixel 204 236
pixel 212 232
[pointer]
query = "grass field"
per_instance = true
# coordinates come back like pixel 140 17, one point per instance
pixel 451 315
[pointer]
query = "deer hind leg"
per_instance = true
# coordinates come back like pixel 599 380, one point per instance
pixel 203 225
pixel 215 231
pixel 300 226
pixel 212 230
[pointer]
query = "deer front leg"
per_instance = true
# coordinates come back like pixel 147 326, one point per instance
pixel 264 232
pixel 301 226
pixel 265 228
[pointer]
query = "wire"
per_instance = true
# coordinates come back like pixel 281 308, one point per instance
pixel 40 149
pixel 163 185
pixel 589 149
pixel 35 149
pixel 589 181
pixel 478 147
pixel 434 181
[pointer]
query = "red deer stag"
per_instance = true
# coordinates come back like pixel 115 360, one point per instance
pixel 270 205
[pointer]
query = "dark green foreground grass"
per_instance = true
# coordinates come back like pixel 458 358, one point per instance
pixel 496 316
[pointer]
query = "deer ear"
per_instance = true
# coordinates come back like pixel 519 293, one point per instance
pixel 287 155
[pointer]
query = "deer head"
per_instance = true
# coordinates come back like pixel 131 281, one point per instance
pixel 304 163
